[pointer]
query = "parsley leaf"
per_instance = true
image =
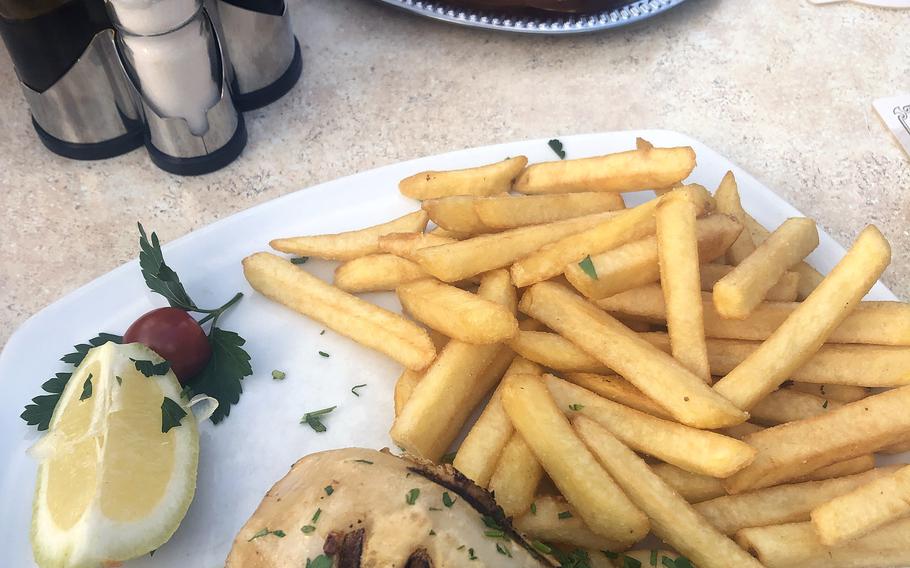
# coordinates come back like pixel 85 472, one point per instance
pixel 577 558
pixel 266 532
pixel 447 499
pixel 314 419
pixel 158 276
pixel 86 388
pixel 576 407
pixel 221 377
pixel 171 414
pixel 321 561
pixel 533 508
pixel 41 410
pixel 150 369
pixel 324 354
pixel 412 496
pixel 565 515
pixel 278 375
pixel 587 265
pixel 300 260
pixel 503 550
pixel 329 489
pixel 307 529
pixel 556 146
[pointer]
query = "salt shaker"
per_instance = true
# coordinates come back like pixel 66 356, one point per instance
pixel 176 63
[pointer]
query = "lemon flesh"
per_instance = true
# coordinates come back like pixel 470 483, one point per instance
pixel 111 486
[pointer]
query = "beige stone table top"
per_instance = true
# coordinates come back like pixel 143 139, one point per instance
pixel 782 87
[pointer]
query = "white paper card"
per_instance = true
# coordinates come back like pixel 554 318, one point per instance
pixel 895 114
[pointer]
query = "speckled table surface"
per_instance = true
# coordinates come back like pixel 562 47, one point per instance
pixel 782 87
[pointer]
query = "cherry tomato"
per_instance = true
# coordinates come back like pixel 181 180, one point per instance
pixel 176 336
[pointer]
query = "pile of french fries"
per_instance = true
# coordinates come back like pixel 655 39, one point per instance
pixel 672 368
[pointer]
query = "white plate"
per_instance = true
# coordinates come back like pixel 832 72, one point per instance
pixel 243 456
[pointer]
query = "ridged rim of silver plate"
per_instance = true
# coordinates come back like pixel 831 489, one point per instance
pixel 555 24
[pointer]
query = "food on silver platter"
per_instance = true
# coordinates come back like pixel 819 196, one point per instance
pixel 357 507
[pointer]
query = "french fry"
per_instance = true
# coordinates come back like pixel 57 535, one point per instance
pixel 404 387
pixel 834 366
pixel 617 389
pixel 509 212
pixel 376 272
pixel 797 448
pixel 864 509
pixel 897 448
pixel 352 244
pixel 673 520
pixel 677 247
pixel 627 226
pixel 625 171
pixel 850 466
pixel 796 545
pixel 727 199
pixel 780 504
pixel 554 520
pixel 516 477
pixel 655 373
pixel 463 259
pixel 635 264
pixel 369 325
pixel 810 324
pixel 840 393
pixel 459 314
pixel 809 278
pixel 477 456
pixel 698 451
pixel 737 293
pixel 740 431
pixel 484 180
pixel 452 386
pixel 786 289
pixel 693 487
pixel 785 405
pixel 455 214
pixel 599 501
pixel 446 234
pixel 406 244
pixel 553 351
pixel 875 323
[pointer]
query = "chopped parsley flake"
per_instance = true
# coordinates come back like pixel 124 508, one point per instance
pixel 266 532
pixel 576 407
pixel 503 550
pixel 300 260
pixel 86 388
pixel 541 547
pixel 368 462
pixel 307 529
pixel 329 489
pixel 448 458
pixel 447 499
pixel 587 265
pixel 471 555
pixel 533 508
pixel 355 387
pixel 278 375
pixel 324 354
pixel 565 515
pixel 314 419
pixel 321 561
pixel 556 146
pixel 412 496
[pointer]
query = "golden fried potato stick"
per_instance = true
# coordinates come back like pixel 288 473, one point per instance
pixel 698 451
pixel 790 503
pixel 834 365
pixel 626 226
pixel 456 313
pixel 634 170
pixel 655 373
pixel 483 180
pixel 453 385
pixel 677 248
pixel 463 259
pixel 553 520
pixel 376 272
pixel 796 545
pixel 850 466
pixel 352 244
pixel 786 289
pixel 516 477
pixel 617 389
pixel 455 214
pixel 511 211
pixel 635 264
pixel 554 351
pixel 584 483
pixel 406 244
pixel 840 393
pixel 737 293
pixel 369 325
pixel 797 448
pixel 479 452
pixel 874 323
pixel 809 278
pixel 866 508
pixel 673 520
pixel 693 487
pixel 727 200
pixel 810 324
pixel 785 405
pixel 404 387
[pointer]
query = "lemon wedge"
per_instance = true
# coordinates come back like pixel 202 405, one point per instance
pixel 111 485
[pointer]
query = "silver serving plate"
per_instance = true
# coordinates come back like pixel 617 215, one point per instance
pixel 554 23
